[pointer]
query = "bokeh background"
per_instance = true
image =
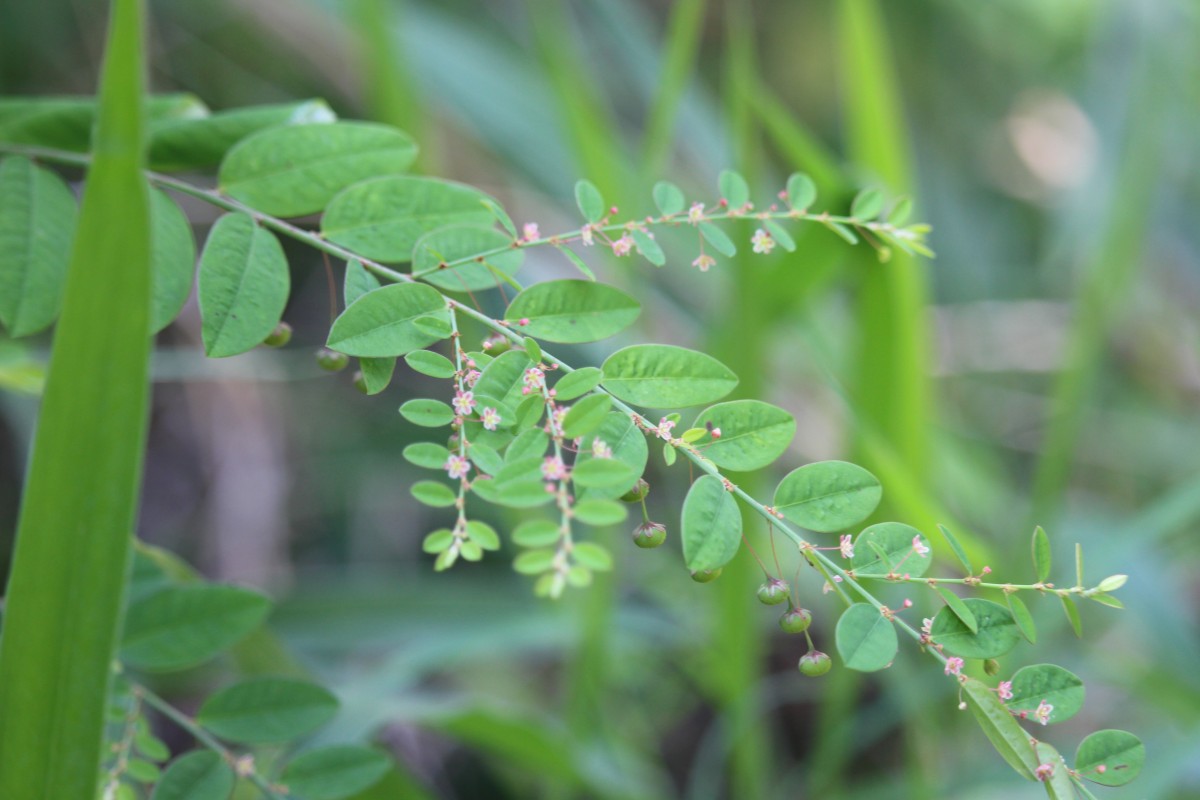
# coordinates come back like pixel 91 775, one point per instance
pixel 1043 369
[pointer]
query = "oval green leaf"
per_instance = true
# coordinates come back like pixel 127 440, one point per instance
pixel 801 191
pixel 1110 757
pixel 753 434
pixel 262 710
pixel 600 512
pixel 828 496
pixel 335 772
pixel 960 609
pixel 590 201
pixel 665 376
pixel 734 189
pixel 577 383
pixel 198 775
pixel 1058 687
pixel 997 633
pixel 669 198
pixel 446 245
pixel 383 322
pixel 1002 730
pixel 866 640
pixel 433 493
pixel 182 626
pixel 572 311
pixel 890 547
pixel 1022 617
pixel 427 455
pixel 504 378
pixel 711 526
pixel 427 413
pixel 172 259
pixel 628 446
pixel 426 362
pixel 1042 558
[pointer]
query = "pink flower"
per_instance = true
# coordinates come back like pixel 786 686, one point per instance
pixel 553 469
pixel 623 246
pixel 954 665
pixel 1042 712
pixel 530 232
pixel 464 402
pixel 457 467
pixel 585 236
pixel 534 378
pixel 1004 690
pixel 1044 772
pixel 491 418
pixel 927 626
pixel 919 547
pixel 696 213
pixel 846 545
pixel 471 377
pixel 762 242
pixel 703 262
pixel 664 428
pixel 600 449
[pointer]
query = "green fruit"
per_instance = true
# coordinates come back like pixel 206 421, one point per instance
pixel 280 336
pixel 331 360
pixel 649 534
pixel 796 620
pixel 706 575
pixel 638 492
pixel 991 666
pixel 773 592
pixel 814 663
pixel 360 382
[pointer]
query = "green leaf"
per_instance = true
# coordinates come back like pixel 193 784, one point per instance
pixel 335 772
pixel 291 170
pixel 172 258
pixel 439 541
pixel 711 525
pixel 590 201
pixel 244 285
pixel 532 349
pixel 960 609
pixel 901 211
pixel 67 123
pixel 358 281
pixel 866 640
pixel 1121 755
pixel 573 311
pixel 483 535
pixel 579 263
pixel 586 416
pixel 997 633
pixel 628 446
pixel 899 555
pixel 602 473
pixel 577 383
pixel 503 379
pixel 592 556
pixel 383 322
pixel 600 512
pixel 669 198
pixel 1022 617
pixel 718 239
pixel 1009 738
pixel 141 771
pixel 780 234
pixel 753 434
pixel 426 362
pixel 263 710
pixel 841 230
pixel 457 242
pixel 427 413
pixel 198 775
pixel 536 533
pixel 183 626
pixel 530 444
pixel 1058 687
pixel 200 143
pixel 534 562
pixel 828 496
pixel 649 248
pixel 956 548
pixel 664 376
pixel 734 189
pixel 433 493
pixel 518 485
pixel 486 458
pixel 1059 785
pixel 1041 554
pixel 427 455
pixel 37 223
pixel 867 204
pixel 801 191
pixel 377 373
pixel 384 218
pixel 1072 612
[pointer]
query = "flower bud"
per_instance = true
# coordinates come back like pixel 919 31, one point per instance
pixel 706 575
pixel 638 492
pixel 649 534
pixel 280 336
pixel 331 360
pixel 796 620
pixel 991 666
pixel 814 663
pixel 773 592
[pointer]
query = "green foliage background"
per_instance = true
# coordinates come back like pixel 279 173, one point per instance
pixel 1043 369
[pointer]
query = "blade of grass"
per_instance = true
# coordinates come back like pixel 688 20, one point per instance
pixel 72 552
pixel 683 39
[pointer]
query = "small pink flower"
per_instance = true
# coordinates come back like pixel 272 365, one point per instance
pixel 954 665
pixel 1004 690
pixel 464 402
pixel 664 428
pixel 457 467
pixel 919 547
pixel 927 626
pixel 762 242
pixel 703 262
pixel 600 449
pixel 534 378
pixel 491 418
pixel 715 433
pixel 846 545
pixel 553 469
pixel 1044 772
pixel 530 232
pixel 471 377
pixel 623 246
pixel 585 236
pixel 907 603
pixel 696 213
pixel 986 571
pixel 1042 712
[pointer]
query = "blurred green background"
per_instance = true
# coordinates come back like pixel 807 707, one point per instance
pixel 1043 369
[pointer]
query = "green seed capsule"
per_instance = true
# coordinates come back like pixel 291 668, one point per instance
pixel 706 575
pixel 331 360
pixel 814 663
pixel 796 620
pixel 638 492
pixel 280 336
pixel 991 666
pixel 360 382
pixel 773 592
pixel 649 534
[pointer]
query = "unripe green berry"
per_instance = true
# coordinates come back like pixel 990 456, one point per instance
pixel 706 575
pixel 796 620
pixel 331 360
pixel 991 666
pixel 814 663
pixel 360 382
pixel 649 534
pixel 638 492
pixel 773 592
pixel 280 336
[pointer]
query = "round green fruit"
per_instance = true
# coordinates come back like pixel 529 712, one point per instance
pixel 796 620
pixel 814 663
pixel 706 575
pixel 331 360
pixel 773 592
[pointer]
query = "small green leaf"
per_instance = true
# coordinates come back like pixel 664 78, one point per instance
pixel 602 472
pixel 669 198
pixel 530 444
pixel 532 349
pixel 1078 564
pixel 579 263
pixel 335 772
pixel 867 204
pixel 781 235
pixel 1009 738
pixel 297 169
pixel 1022 617
pixel 890 547
pixel 718 239
pixel 384 218
pixel 668 454
pixel 1041 554
pixel 592 556
pixel 358 281
pixel 263 710
pixel 183 626
pixel 483 535
pixel 586 416
pixel 501 216
pixel 956 548
pixel 1050 683
pixel 828 496
pixel 801 191
pixel 435 494
pixel 590 201
pixel 753 434
pixel 866 640
pixel 664 376
pixel 841 230
pixel 503 379
pixel 628 446
pixel 384 322
pixel 711 526
pixel 900 212
pixel 1072 612
pixel 577 383
pixel 734 189
pixel 486 458
pixel 427 455
pixel 534 562
pixel 141 771
pixel 572 311
pixel 377 373
pixel 436 249
pixel 959 608
pixel 439 541
pixel 426 362
pixel 198 775
pixel 172 258
pixel 996 635
pixel 244 285
pixel 600 512
pixel 1110 757
pixel 536 533
pixel 427 413
pixel 648 247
